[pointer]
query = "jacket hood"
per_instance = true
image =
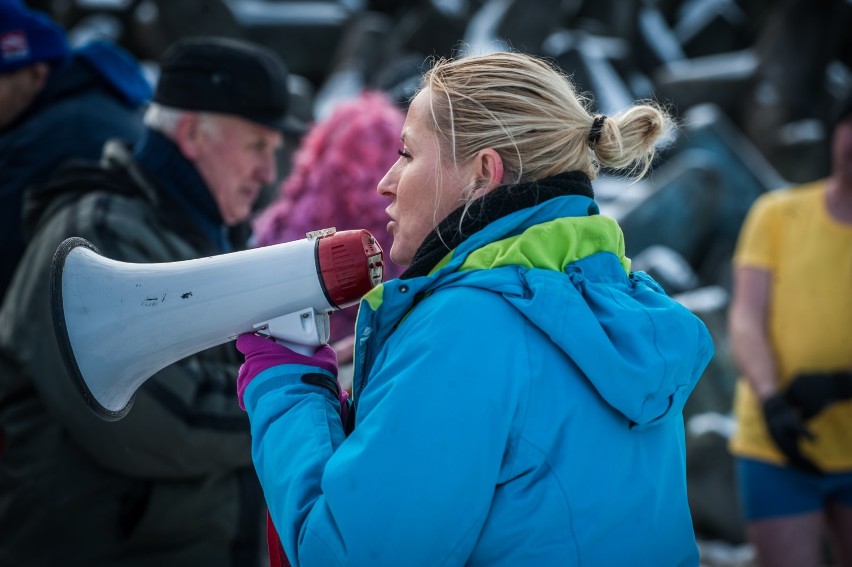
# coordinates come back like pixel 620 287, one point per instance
pixel 98 64
pixel 642 351
pixel 118 70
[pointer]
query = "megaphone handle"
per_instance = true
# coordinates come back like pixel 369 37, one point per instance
pixel 307 350
pixel 302 331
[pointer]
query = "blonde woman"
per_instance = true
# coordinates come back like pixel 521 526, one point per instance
pixel 518 390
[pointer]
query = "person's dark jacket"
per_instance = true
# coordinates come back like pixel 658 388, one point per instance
pixel 171 483
pixel 95 95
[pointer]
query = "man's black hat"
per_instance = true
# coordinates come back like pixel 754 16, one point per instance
pixel 229 76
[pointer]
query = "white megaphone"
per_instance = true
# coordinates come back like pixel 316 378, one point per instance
pixel 118 323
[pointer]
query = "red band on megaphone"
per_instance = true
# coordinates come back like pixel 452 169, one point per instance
pixel 350 264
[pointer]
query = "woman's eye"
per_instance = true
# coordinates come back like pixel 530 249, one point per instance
pixel 404 154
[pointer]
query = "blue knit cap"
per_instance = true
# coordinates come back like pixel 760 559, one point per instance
pixel 28 37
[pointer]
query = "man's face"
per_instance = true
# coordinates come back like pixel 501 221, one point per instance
pixel 236 158
pixel 17 91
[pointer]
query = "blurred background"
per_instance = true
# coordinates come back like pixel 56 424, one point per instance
pixel 753 84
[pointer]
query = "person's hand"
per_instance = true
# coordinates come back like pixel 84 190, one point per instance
pixel 263 353
pixel 812 392
pixel 786 428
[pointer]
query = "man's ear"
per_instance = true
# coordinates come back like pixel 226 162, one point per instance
pixel 488 170
pixel 39 73
pixel 187 135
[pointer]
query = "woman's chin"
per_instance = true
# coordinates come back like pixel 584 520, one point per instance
pixel 398 257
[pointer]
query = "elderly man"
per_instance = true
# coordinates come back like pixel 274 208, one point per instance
pixel 172 483
pixel 55 104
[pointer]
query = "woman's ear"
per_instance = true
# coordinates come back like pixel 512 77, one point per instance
pixel 488 171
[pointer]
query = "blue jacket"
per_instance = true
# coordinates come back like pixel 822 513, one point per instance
pixel 96 95
pixel 520 405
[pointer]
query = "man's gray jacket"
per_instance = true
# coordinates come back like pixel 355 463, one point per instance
pixel 171 483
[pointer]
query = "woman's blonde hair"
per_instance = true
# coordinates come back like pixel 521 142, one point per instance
pixel 530 113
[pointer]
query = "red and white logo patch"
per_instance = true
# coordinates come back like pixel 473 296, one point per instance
pixel 14 46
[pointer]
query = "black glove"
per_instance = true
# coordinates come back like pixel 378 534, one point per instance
pixel 786 428
pixel 812 392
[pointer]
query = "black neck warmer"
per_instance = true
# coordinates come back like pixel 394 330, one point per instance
pixel 503 200
pixel 175 174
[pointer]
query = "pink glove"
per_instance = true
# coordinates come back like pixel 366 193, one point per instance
pixel 262 353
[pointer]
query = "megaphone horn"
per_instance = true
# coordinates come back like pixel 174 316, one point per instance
pixel 118 323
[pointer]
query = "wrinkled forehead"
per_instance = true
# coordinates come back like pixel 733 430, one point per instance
pixel 239 130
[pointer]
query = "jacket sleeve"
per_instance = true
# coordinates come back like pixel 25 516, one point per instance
pixel 414 482
pixel 185 421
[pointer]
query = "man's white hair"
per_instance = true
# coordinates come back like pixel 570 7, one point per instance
pixel 164 119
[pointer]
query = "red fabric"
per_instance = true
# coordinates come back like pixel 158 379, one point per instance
pixel 277 558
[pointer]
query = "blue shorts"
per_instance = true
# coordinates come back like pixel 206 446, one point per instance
pixel 768 491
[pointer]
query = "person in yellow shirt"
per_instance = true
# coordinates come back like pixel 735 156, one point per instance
pixel 791 333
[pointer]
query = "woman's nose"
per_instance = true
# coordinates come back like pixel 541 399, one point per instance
pixel 387 185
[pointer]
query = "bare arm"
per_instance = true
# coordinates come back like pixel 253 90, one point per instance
pixel 748 325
